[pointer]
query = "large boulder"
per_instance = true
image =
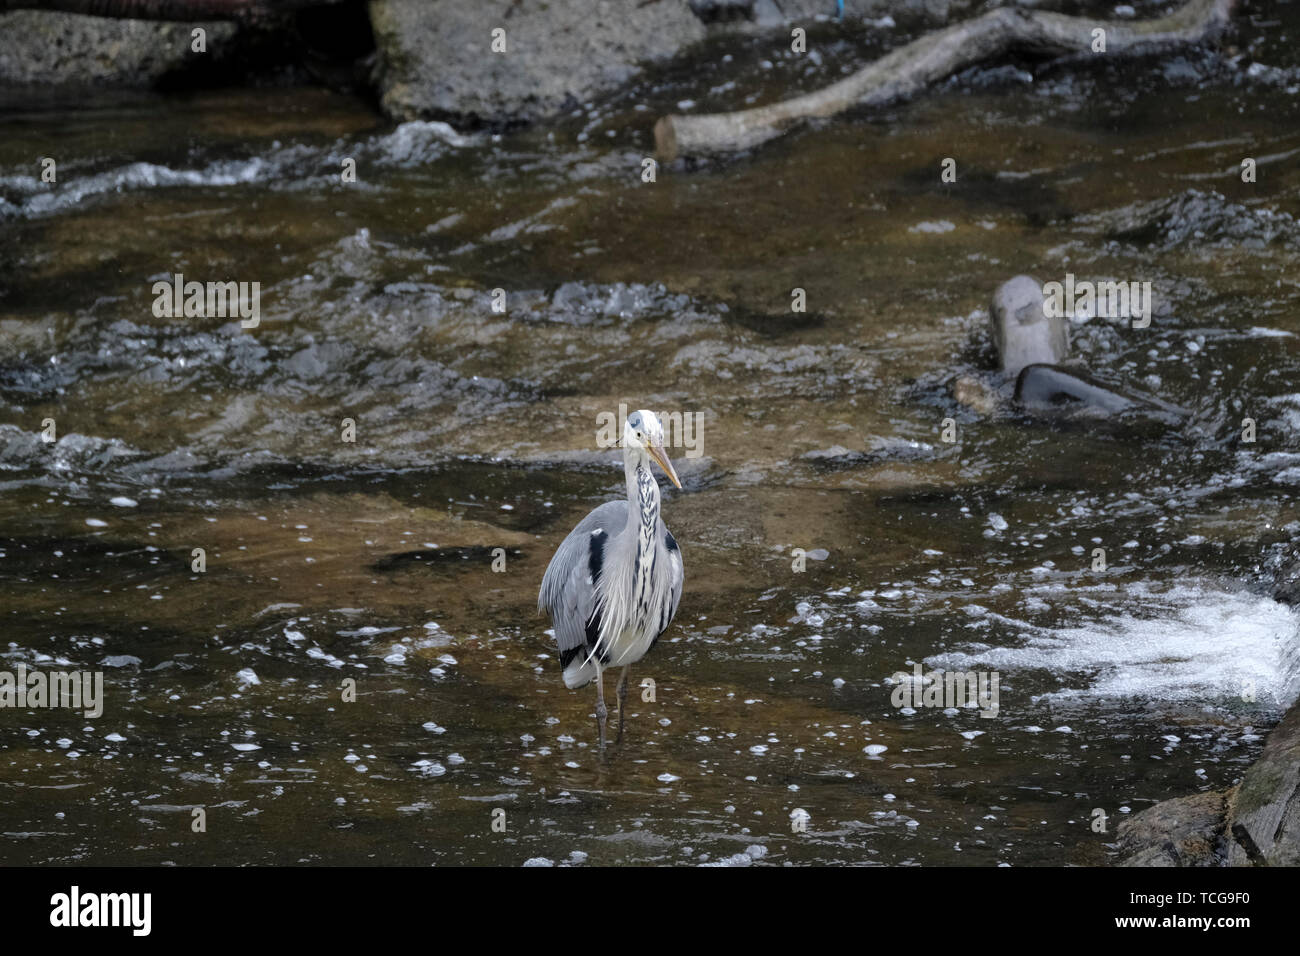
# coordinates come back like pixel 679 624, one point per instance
pixel 40 47
pixel 1256 823
pixel 435 57
pixel 1186 831
pixel 1264 814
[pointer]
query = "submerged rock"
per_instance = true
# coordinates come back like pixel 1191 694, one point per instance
pixel 1287 586
pixel 837 457
pixel 72 454
pixel 976 394
pixel 1193 216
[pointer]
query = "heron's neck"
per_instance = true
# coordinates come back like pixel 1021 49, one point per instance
pixel 642 493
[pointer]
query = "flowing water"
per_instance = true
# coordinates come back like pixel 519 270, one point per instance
pixel 372 561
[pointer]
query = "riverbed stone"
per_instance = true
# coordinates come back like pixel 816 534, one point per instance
pixel 1186 831
pixel 435 57
pixel 1256 823
pixel 42 47
pixel 1286 588
pixel 1264 814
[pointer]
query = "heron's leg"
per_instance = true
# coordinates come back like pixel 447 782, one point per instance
pixel 622 699
pixel 601 712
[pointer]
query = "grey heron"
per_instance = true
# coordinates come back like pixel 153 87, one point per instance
pixel 614 583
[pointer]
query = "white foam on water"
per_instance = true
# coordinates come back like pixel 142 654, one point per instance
pixel 412 144
pixel 1193 644
pixel 139 175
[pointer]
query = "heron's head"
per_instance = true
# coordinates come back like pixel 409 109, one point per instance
pixel 643 431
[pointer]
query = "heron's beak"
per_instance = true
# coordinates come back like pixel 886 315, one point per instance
pixel 661 458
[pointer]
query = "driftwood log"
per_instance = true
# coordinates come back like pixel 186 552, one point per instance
pixel 934 56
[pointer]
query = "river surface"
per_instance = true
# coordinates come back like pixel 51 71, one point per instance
pixel 371 561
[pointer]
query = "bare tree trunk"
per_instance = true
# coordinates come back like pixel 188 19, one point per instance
pixel 184 11
pixel 930 58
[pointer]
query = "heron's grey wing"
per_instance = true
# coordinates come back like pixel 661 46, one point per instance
pixel 568 589
pixel 676 575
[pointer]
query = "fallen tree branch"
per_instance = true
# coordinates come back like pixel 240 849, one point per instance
pixel 916 65
pixel 182 11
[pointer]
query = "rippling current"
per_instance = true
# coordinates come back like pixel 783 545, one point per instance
pixel 368 564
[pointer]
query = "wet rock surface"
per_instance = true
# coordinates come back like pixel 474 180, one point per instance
pixel 434 57
pixel 39 47
pixel 1198 217
pixel 1186 831
pixel 1264 814
pixel 1256 823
